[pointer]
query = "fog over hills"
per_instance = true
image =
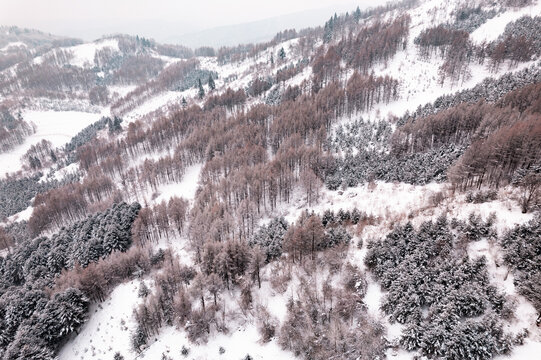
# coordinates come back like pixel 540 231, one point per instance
pixel 202 23
pixel 256 31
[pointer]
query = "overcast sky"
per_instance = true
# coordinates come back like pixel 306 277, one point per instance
pixel 90 19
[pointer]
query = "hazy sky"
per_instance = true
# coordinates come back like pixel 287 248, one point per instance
pixel 89 19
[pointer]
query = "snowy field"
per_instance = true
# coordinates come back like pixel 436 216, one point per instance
pixel 492 29
pixel 109 328
pixel 58 127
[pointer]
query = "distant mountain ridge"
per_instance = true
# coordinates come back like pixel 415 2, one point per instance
pixel 257 31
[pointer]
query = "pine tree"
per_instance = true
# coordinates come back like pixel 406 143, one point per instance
pixel 212 85
pixel 201 90
pixel 53 157
pixel 282 54
pixel 357 14
pixel 184 103
pixel 328 30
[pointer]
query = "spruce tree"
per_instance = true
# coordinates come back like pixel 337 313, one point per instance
pixel 282 54
pixel 357 14
pixel 201 90
pixel 212 85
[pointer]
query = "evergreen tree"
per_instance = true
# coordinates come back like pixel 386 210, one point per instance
pixel 201 90
pixel 53 156
pixel 184 103
pixel 282 54
pixel 328 30
pixel 357 14
pixel 212 85
pixel 114 124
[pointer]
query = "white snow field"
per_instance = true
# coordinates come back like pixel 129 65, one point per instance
pixel 58 127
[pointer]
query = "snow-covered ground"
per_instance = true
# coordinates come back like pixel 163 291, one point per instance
pixel 58 127
pixel 389 202
pixel 420 78
pixel 109 328
pixel 185 189
pixel 160 101
pixel 83 55
pixel 494 27
pixel 14 44
pixel 237 344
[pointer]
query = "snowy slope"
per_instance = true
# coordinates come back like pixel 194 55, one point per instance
pixel 83 55
pixel 111 323
pixel 108 329
pixel 490 30
pixel 56 126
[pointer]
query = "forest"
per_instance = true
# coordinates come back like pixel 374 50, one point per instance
pixel 280 162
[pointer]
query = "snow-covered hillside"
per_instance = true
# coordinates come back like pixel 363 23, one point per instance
pixel 317 196
pixel 58 127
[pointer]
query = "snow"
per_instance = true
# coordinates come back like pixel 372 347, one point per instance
pixel 299 78
pixel 66 170
pixel 275 303
pixel 15 44
pixel 494 27
pixel 20 216
pixel 529 351
pixel 387 201
pixel 111 322
pixel 507 210
pixel 420 78
pixel 239 343
pixel 83 55
pixel 109 328
pixel 157 102
pixel 501 277
pixel 58 127
pixel 186 188
pixel 121 90
pixel 373 298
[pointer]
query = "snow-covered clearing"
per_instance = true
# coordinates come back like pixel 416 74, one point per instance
pixel 388 201
pixel 119 91
pixel 494 27
pixel 185 189
pixel 20 216
pixel 531 350
pixel 109 328
pixel 83 55
pixel 58 127
pixel 160 101
pixel 237 344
